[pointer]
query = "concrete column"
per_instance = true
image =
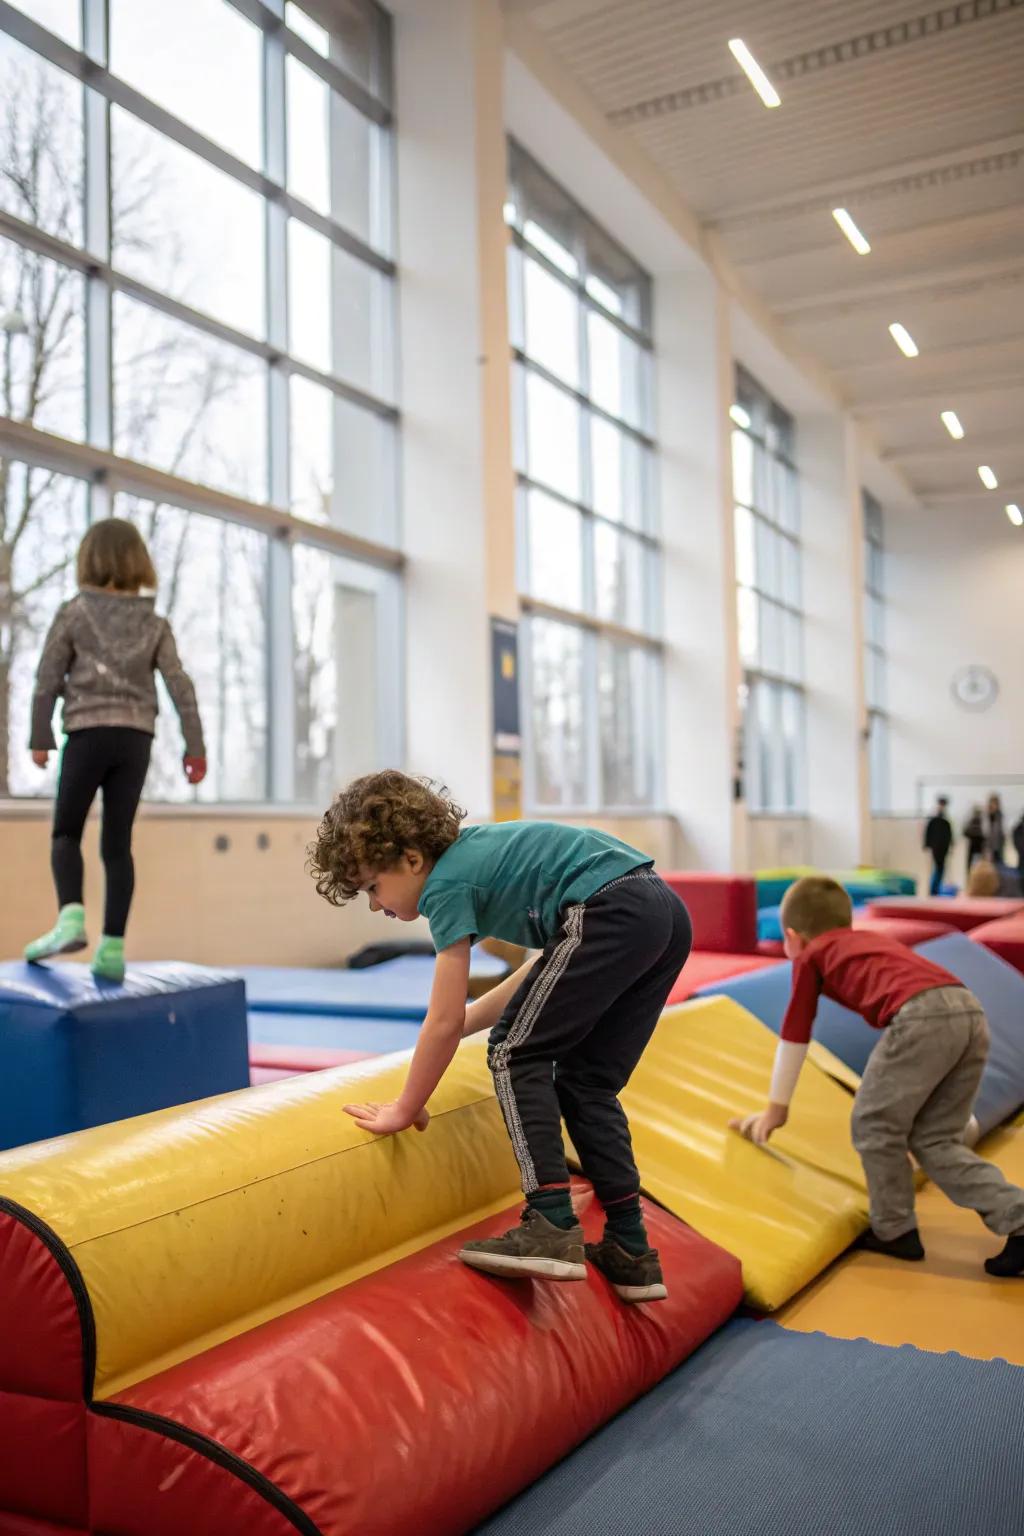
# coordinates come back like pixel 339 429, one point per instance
pixel 457 488
pixel 833 662
pixel 694 389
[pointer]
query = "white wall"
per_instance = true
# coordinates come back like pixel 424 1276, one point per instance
pixel 955 597
pixel 446 85
pixel 832 579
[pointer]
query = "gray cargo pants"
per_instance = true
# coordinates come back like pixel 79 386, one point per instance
pixel 916 1094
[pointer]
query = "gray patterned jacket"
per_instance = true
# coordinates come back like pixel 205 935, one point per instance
pixel 101 654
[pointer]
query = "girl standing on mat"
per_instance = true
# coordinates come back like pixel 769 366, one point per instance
pixel 101 654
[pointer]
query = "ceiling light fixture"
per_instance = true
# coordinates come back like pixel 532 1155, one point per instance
pixel 740 417
pixel 1015 514
pixel 987 477
pixel 951 421
pixel 851 231
pixel 903 339
pixel 754 73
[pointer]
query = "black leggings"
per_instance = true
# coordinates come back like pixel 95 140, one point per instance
pixel 115 759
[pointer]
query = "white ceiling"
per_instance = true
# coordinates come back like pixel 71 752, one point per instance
pixel 910 117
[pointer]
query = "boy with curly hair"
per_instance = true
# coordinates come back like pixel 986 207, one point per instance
pixel 567 1029
pixel 920 1081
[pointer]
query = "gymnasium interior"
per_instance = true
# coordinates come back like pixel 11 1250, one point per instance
pixel 613 412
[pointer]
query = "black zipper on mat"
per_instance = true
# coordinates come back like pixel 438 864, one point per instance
pixel 154 1422
pixel 73 1276
pixel 215 1452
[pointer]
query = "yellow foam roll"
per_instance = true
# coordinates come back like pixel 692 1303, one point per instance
pixel 785 1210
pixel 192 1224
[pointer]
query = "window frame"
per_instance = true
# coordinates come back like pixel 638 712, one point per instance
pixel 761 680
pixel 586 619
pixel 93 461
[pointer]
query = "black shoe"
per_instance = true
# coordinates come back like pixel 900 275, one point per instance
pixel 535 1249
pixel 634 1276
pixel 1010 1263
pixel 907 1246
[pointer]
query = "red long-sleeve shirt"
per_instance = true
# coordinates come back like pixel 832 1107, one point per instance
pixel 867 972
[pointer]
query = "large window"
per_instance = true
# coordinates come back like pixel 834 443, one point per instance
pixel 196 292
pixel 875 656
pixel 588 553
pixel 768 596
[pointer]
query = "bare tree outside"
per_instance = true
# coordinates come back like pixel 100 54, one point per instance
pixel 183 401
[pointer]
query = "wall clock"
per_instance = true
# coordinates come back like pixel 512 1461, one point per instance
pixel 975 687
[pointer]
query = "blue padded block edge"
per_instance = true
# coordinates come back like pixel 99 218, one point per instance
pixel 76 1052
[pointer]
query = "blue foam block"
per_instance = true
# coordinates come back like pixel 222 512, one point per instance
pixel 76 1052
pixel 764 1432
pixel 348 1033
pixel 998 987
pixel 397 989
pixel 769 925
pixel 1000 990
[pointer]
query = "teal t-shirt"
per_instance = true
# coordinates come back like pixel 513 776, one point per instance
pixel 511 880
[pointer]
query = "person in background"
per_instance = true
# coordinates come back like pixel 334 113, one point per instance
pixel 996 829
pixel 974 832
pixel 1018 842
pixel 983 879
pixel 938 840
pixel 101 655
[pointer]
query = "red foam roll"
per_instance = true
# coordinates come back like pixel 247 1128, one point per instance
pixel 426 1395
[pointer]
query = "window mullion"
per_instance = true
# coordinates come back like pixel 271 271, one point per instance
pixel 99 385
pixel 280 623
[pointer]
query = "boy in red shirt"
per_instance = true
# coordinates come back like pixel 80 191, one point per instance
pixel 920 1081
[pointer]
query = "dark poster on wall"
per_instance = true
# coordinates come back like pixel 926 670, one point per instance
pixel 506 741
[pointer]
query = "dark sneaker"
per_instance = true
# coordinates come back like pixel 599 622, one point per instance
pixel 1010 1263
pixel 536 1248
pixel 636 1277
pixel 907 1246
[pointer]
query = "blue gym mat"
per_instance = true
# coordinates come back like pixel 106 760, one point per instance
pixel 769 1433
pixel 397 989
pixel 368 1033
pixel 999 988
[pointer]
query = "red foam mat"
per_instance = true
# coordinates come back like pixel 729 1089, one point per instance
pixel 417 1399
pixel 1005 938
pixel 301 1058
pixel 963 912
pixel 702 969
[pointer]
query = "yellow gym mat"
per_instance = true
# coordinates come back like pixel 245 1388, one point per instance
pixel 785 1210
pixel 947 1302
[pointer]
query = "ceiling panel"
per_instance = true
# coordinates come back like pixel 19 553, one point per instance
pixel 912 118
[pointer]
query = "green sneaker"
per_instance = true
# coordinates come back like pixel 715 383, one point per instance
pixel 535 1249
pixel 635 1277
pixel 65 937
pixel 108 961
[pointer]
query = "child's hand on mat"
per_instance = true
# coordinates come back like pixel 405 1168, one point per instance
pixel 40 759
pixel 195 768
pixel 385 1119
pixel 758 1128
